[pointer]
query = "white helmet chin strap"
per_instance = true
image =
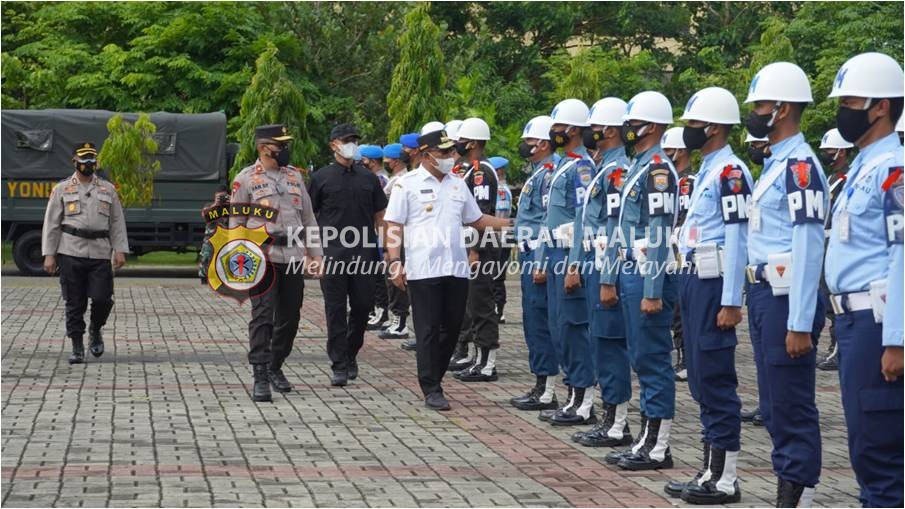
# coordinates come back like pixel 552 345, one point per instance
pixel 775 111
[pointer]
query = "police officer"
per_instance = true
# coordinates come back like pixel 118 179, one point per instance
pixel 647 288
pixel 593 226
pixel 785 251
pixel 398 298
pixel 84 229
pixel 272 182
pixel 504 211
pixel 543 359
pixel 481 315
pixel 674 146
pixel 713 244
pixel 863 262
pixel 221 197
pixel 346 195
pixel 567 303
pixel 758 149
pixel 834 155
pixel 430 206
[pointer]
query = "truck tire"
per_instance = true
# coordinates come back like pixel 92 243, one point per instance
pixel 27 253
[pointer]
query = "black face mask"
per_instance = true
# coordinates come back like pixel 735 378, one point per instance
pixel 757 154
pixel 827 159
pixel 405 157
pixel 558 139
pixel 590 138
pixel 525 150
pixel 694 137
pixel 853 124
pixel 86 168
pixel 462 149
pixel 281 156
pixel 759 125
pixel 630 134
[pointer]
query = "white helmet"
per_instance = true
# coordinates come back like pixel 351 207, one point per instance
pixel 538 127
pixel 672 138
pixel 869 75
pixel 780 81
pixel 431 127
pixel 752 139
pixel 649 106
pixel 900 125
pixel 832 139
pixel 571 112
pixel 474 129
pixel 452 129
pixel 712 104
pixel 607 112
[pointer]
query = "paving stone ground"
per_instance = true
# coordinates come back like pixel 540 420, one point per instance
pixel 164 418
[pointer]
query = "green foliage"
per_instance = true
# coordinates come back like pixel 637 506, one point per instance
pixel 389 67
pixel 419 79
pixel 128 157
pixel 272 98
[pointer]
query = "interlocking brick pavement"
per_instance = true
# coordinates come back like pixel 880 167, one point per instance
pixel 164 418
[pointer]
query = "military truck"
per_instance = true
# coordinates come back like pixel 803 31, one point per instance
pixel 37 151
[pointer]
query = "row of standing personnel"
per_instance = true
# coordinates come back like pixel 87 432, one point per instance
pixel 605 217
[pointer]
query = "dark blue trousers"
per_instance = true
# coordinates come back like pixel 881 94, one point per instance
pixel 873 410
pixel 578 358
pixel 650 344
pixel 542 357
pixel 710 359
pixel 786 387
pixel 607 330
pixel 555 280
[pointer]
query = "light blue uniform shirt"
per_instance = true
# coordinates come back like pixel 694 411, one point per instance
pixel 570 181
pixel 893 327
pixel 791 219
pixel 868 255
pixel 717 213
pixel 649 207
pixel 530 214
pixel 591 220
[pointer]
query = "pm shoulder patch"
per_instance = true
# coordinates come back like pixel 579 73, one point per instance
pixel 806 192
pixel 661 190
pixel 893 189
pixel 734 195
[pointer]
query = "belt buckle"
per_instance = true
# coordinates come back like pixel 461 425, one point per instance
pixel 838 304
pixel 751 274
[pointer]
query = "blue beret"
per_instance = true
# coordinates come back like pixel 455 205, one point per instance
pixel 409 140
pixel 392 151
pixel 498 162
pixel 371 151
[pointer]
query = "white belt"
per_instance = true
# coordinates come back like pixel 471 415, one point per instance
pixel 850 302
pixel 528 245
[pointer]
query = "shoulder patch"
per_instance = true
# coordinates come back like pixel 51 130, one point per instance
pixel 805 190
pixel 893 196
pixel 734 195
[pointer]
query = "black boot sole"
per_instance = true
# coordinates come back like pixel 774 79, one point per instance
pixel 614 460
pixel 639 467
pixel 97 351
pixel 80 360
pixel 583 422
pixel 716 499
pixel 610 442
pixel 481 378
pixel 262 399
pixel 281 390
pixel 553 405
pixel 674 493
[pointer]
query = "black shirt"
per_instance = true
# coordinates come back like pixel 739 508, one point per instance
pixel 347 198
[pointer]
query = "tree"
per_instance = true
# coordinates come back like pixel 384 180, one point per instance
pixel 419 79
pixel 272 98
pixel 128 157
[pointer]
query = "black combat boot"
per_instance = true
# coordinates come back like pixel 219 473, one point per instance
pixel 547 414
pixel 97 342
pixel 483 370
pixel 580 413
pixel 261 389
pixel 278 380
pixel 463 357
pixel 542 397
pixel 78 351
pixel 353 369
pixel 614 457
pixel 613 431
pixel 722 486
pixel 675 488
pixel 531 395
pixel 654 453
pixel 789 494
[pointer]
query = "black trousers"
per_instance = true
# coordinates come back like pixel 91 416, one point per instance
pixel 381 291
pixel 438 305
pixel 484 324
pixel 399 299
pixel 275 317
pixel 82 279
pixel 499 282
pixel 346 325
